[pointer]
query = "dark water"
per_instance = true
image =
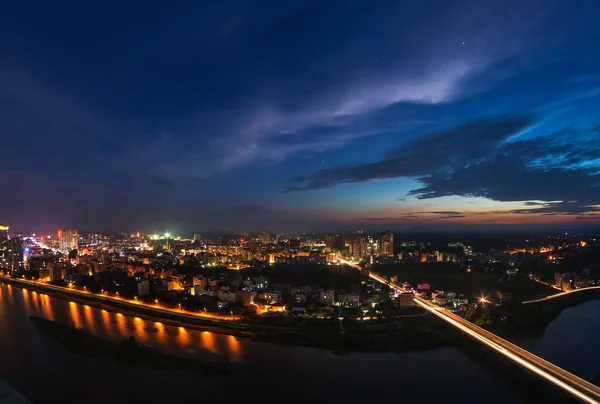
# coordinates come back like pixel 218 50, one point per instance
pixel 48 373
pixel 572 340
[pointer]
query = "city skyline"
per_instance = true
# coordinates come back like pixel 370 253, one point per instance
pixel 233 117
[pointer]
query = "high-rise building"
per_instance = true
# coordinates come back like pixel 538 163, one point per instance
pixel 3 247
pixel 335 242
pixel 3 231
pixel 197 237
pixel 265 237
pixel 56 272
pixel 68 240
pixel 358 247
pixel 14 254
pixel 386 244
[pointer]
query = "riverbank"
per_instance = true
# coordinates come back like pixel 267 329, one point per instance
pixel 410 334
pixel 197 323
pixel 419 333
pixel 126 353
pixel 517 320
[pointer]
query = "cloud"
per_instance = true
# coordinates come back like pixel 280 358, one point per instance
pixel 509 179
pixel 301 82
pixel 443 212
pixel 558 173
pixel 442 151
pixel 558 208
pixel 402 218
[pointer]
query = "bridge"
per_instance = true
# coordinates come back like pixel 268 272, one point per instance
pixel 562 294
pixel 574 385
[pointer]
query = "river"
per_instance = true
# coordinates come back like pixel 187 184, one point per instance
pixel 46 372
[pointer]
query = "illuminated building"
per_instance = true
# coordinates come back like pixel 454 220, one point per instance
pixel 246 298
pixel 406 300
pixel 143 288
pixel 3 231
pixel 270 297
pixel 56 273
pixel 386 244
pixel 68 240
pixel 353 299
pixel 95 239
pixel 558 280
pixel 3 247
pixel 326 297
pixel 265 237
pixel 335 242
pixel 13 254
pixel 358 247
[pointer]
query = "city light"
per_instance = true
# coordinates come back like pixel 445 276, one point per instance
pixel 144 270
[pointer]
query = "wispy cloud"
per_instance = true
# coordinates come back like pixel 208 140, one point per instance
pixel 442 151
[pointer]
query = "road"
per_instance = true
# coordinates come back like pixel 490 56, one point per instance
pixel 574 385
pixel 135 304
pixel 562 294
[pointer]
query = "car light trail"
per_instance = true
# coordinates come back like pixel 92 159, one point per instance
pixel 510 355
pixel 562 294
pixel 574 385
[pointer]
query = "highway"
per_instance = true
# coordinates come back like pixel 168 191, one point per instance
pixel 562 294
pixel 135 304
pixel 574 385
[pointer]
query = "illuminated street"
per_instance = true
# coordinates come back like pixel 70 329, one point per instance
pixel 134 304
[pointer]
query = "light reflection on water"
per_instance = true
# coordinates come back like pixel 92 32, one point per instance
pixel 116 326
pixel 74 315
pixel 89 318
pixel 46 310
pixel 25 354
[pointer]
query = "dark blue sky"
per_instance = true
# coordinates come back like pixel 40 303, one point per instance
pixel 299 116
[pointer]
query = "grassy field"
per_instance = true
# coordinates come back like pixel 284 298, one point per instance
pixel 450 277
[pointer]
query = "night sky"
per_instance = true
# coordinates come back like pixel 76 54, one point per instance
pixel 299 115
